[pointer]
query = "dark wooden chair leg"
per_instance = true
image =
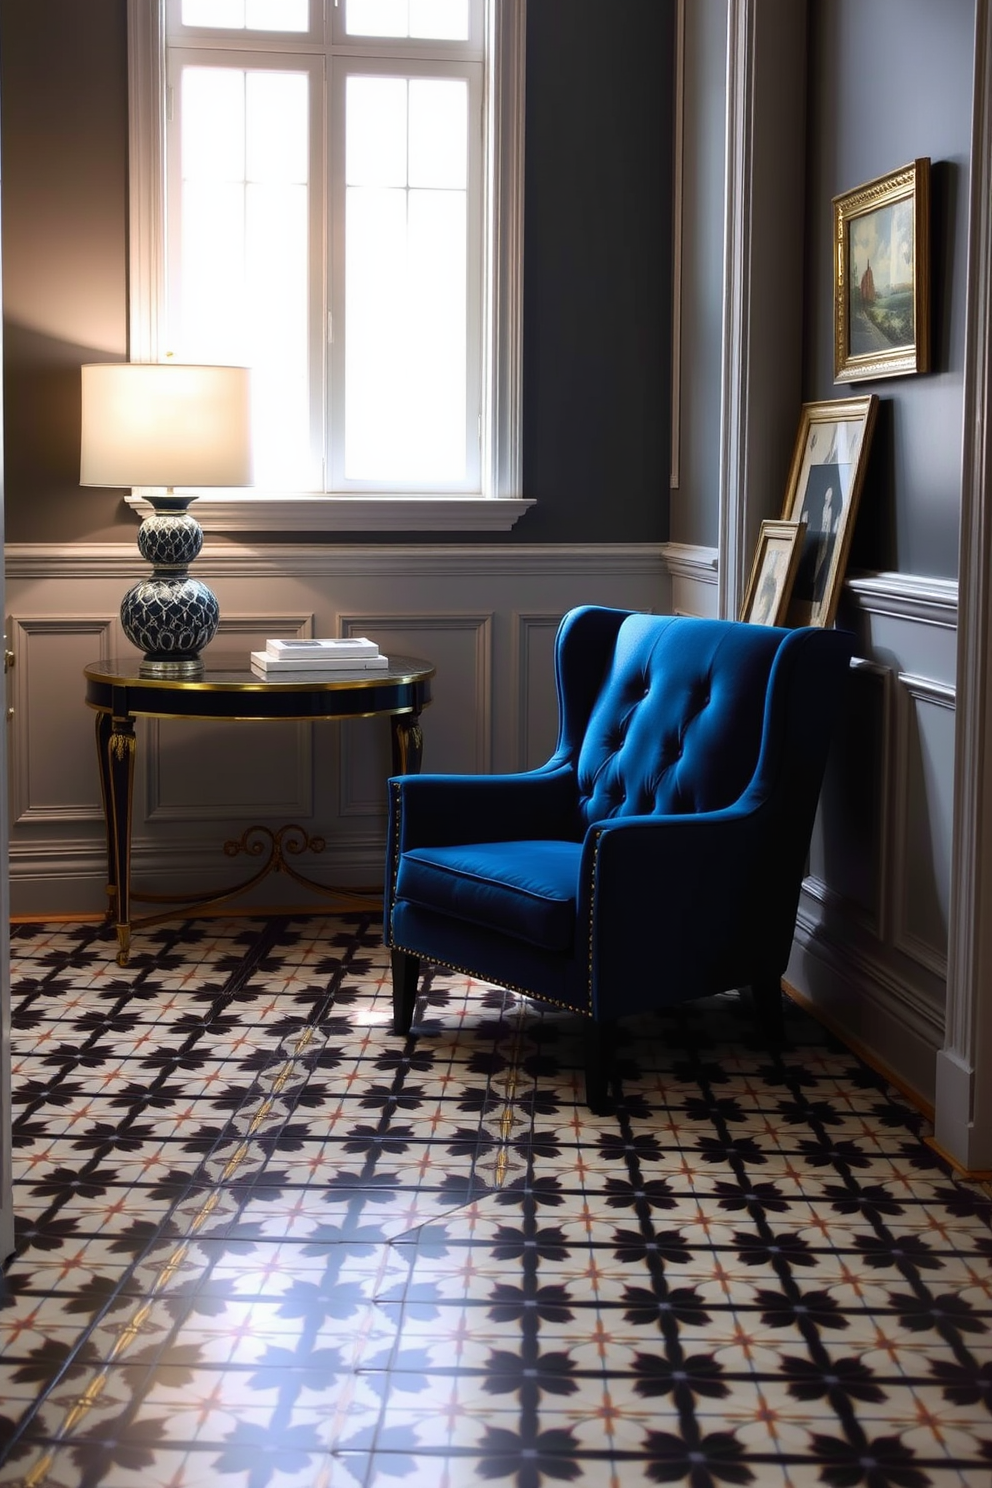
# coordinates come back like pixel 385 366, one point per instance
pixel 406 970
pixel 600 1067
pixel 766 996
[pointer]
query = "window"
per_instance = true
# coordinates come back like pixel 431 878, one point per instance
pixel 331 193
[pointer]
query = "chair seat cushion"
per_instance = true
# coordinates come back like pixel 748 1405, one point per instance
pixel 526 889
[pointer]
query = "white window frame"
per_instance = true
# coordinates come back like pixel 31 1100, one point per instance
pixel 500 503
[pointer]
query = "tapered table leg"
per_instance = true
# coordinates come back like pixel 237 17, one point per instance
pixel 115 747
pixel 408 743
pixel 103 723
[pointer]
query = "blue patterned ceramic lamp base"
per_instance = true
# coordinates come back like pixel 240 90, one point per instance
pixel 168 615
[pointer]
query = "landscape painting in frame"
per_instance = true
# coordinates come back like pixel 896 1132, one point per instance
pixel 881 288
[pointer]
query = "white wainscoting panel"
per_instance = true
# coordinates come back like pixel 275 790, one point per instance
pixel 192 770
pixel 924 814
pixel 50 651
pixel 849 850
pixel 457 723
pixel 199 771
pixel 534 690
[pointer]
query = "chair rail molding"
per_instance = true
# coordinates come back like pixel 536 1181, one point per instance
pixel 692 561
pixel 963 1117
pixel 918 597
pixel 305 560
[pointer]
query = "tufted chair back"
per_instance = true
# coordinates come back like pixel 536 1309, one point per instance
pixel 677 724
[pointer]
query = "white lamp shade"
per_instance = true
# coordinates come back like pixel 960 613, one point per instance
pixel 165 424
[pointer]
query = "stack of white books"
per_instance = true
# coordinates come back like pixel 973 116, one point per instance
pixel 318 658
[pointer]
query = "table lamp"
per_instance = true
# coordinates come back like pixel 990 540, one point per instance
pixel 166 424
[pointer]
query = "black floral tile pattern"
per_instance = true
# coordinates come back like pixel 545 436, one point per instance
pixel 263 1243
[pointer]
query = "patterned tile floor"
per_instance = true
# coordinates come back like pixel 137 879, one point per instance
pixel 262 1241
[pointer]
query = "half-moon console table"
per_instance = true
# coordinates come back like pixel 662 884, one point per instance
pixel 228 689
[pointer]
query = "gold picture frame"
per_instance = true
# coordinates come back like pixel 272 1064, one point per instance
pixel 769 589
pixel 882 276
pixel 824 488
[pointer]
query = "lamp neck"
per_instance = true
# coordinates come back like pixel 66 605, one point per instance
pixel 167 501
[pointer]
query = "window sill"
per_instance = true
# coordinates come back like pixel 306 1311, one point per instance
pixel 242 512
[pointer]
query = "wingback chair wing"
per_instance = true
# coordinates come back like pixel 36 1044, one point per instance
pixel 657 856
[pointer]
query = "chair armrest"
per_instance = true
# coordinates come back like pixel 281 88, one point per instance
pixel 689 833
pixel 444 810
pixel 707 901
pixel 668 863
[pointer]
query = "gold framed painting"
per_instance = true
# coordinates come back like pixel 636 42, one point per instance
pixel 825 480
pixel 882 276
pixel 766 601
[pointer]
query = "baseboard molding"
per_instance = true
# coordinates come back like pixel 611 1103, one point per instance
pixel 893 1078
pixel 217 912
pixel 973 1175
pixel 863 1052
pixel 74 877
pixel 868 1008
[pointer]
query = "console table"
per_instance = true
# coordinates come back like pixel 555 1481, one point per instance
pixel 228 689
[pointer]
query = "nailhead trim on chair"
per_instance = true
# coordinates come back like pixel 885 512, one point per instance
pixel 396 834
pixel 477 976
pixel 592 896
pixel 396 854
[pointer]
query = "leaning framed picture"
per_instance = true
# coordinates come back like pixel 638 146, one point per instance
pixel 825 480
pixel 766 601
pixel 882 276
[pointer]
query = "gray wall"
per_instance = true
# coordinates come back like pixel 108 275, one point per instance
pixel 695 503
pixel 63 71
pixel 597 283
pixel 597 264
pixel 891 80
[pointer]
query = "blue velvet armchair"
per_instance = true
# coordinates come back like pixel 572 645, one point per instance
pixel 656 857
